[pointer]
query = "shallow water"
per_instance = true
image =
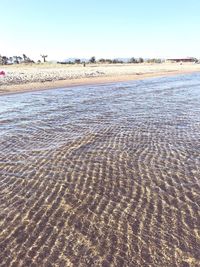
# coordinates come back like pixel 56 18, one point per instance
pixel 105 175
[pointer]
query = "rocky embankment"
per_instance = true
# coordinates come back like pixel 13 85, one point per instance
pixel 31 75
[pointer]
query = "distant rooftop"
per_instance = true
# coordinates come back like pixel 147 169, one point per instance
pixel 186 59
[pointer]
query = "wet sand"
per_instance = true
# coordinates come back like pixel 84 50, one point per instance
pixel 105 175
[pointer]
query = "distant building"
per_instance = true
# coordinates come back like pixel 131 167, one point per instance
pixel 176 60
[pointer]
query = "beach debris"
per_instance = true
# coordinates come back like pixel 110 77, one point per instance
pixel 2 73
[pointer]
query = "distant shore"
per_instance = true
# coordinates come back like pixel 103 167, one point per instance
pixel 25 78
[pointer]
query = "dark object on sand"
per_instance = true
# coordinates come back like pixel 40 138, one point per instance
pixel 2 73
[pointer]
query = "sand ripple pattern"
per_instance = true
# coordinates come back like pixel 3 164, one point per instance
pixel 102 176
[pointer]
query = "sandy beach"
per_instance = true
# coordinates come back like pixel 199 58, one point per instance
pixel 22 78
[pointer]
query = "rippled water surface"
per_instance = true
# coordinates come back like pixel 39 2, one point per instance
pixel 105 175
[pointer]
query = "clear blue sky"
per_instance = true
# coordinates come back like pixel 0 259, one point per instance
pixel 101 28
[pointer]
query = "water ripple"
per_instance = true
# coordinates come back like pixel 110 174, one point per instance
pixel 102 175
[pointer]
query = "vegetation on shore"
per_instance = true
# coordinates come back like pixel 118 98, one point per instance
pixel 112 61
pixel 4 60
pixel 9 60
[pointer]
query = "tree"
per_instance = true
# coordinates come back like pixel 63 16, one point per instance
pixel 27 59
pixel 102 60
pixel 17 59
pixel 108 60
pixel 140 60
pixel 4 60
pixel 154 60
pixel 116 60
pixel 10 60
pixel 44 57
pixel 194 59
pixel 1 60
pixel 92 60
pixel 77 61
pixel 158 60
pixel 132 60
pixel 24 57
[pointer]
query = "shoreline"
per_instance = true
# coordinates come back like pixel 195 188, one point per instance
pixel 9 89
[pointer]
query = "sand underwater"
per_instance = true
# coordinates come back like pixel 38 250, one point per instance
pixel 105 175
